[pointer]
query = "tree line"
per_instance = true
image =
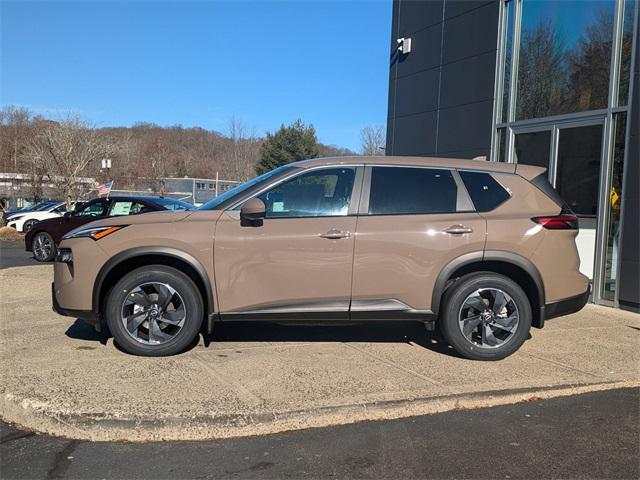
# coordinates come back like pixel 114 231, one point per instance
pixel 63 150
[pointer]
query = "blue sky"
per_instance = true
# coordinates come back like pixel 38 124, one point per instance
pixel 199 63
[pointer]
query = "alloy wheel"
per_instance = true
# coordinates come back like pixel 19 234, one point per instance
pixel 153 313
pixel 488 318
pixel 42 247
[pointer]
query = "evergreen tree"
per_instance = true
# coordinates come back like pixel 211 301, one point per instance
pixel 289 144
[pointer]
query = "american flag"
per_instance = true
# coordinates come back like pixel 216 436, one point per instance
pixel 104 188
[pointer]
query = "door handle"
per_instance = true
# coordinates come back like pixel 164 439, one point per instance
pixel 334 234
pixel 458 230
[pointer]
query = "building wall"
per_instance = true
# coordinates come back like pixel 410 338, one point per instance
pixel 441 94
pixel 629 287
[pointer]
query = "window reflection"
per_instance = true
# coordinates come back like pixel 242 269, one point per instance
pixel 625 51
pixel 614 203
pixel 564 57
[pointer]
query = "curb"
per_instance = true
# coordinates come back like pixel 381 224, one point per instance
pixel 38 416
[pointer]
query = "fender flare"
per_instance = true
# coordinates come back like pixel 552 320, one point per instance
pixel 487 256
pixel 159 251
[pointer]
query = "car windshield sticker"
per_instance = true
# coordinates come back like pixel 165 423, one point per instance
pixel 121 208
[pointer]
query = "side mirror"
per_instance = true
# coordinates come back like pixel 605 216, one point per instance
pixel 252 213
pixel 67 215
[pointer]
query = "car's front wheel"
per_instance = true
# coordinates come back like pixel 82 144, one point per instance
pixel 43 247
pixel 485 316
pixel 154 311
pixel 28 225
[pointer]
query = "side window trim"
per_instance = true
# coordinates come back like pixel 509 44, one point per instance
pixel 355 190
pixel 463 200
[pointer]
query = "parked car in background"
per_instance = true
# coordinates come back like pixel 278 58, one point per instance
pixel 43 237
pixel 23 222
pixel 32 208
pixel 482 250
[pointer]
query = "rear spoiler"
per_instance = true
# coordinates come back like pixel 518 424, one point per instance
pixel 529 171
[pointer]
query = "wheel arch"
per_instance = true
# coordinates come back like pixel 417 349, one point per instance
pixel 514 266
pixel 124 262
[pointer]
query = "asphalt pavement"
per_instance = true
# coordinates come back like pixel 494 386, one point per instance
pixel 594 435
pixel 13 254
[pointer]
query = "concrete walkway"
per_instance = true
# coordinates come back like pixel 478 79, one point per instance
pixel 60 377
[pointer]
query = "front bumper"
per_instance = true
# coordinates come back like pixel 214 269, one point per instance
pixel 88 316
pixel 567 305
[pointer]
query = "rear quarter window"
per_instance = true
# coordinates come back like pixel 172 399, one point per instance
pixel 485 191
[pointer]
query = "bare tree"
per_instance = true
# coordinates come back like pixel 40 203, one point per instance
pixel 372 140
pixel 243 151
pixel 64 152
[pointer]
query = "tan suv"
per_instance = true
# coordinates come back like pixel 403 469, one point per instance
pixel 484 250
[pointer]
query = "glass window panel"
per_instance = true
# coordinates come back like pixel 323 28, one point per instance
pixel 564 57
pixel 93 209
pixel 404 190
pixel 533 148
pixel 578 170
pixel 609 284
pixel 625 51
pixel 485 192
pixel 319 193
pixel 510 8
pixel 500 144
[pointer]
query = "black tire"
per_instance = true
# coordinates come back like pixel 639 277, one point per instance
pixel 188 295
pixel 43 247
pixel 454 307
pixel 28 225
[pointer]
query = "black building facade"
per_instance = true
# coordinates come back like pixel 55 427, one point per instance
pixel 543 82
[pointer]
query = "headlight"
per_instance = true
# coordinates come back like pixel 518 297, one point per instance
pixel 13 219
pixel 96 232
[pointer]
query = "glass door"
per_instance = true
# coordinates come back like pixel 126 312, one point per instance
pixel 577 179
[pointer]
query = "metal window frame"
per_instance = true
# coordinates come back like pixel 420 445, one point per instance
pixel 556 123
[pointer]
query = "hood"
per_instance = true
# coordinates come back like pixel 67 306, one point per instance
pixel 151 217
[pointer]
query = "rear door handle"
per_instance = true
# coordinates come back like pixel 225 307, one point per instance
pixel 458 230
pixel 334 234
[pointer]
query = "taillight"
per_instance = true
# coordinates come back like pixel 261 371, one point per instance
pixel 558 222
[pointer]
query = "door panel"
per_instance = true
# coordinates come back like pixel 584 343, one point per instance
pixel 398 257
pixel 284 265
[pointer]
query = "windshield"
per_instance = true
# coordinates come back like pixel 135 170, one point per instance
pixel 214 202
pixel 39 206
pixel 175 205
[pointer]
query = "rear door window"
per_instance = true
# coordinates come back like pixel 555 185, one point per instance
pixel 485 192
pixel 407 190
pixel 120 208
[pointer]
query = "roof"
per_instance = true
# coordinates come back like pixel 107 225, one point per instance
pixel 527 171
pixel 413 161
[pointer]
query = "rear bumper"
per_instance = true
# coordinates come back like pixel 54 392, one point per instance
pixel 567 305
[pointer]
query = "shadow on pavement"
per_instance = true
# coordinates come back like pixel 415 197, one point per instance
pixel 234 332
pixel 373 332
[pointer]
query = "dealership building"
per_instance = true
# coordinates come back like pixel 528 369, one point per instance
pixel 552 83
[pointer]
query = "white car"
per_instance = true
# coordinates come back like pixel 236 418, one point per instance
pixel 23 222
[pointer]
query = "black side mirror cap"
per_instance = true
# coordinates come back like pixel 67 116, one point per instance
pixel 252 213
pixel 67 215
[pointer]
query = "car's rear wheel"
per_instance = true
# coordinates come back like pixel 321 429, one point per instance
pixel 43 247
pixel 154 311
pixel 485 316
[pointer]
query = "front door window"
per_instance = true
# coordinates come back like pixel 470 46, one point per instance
pixel 319 193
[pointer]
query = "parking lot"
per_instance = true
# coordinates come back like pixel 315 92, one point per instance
pixel 61 377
